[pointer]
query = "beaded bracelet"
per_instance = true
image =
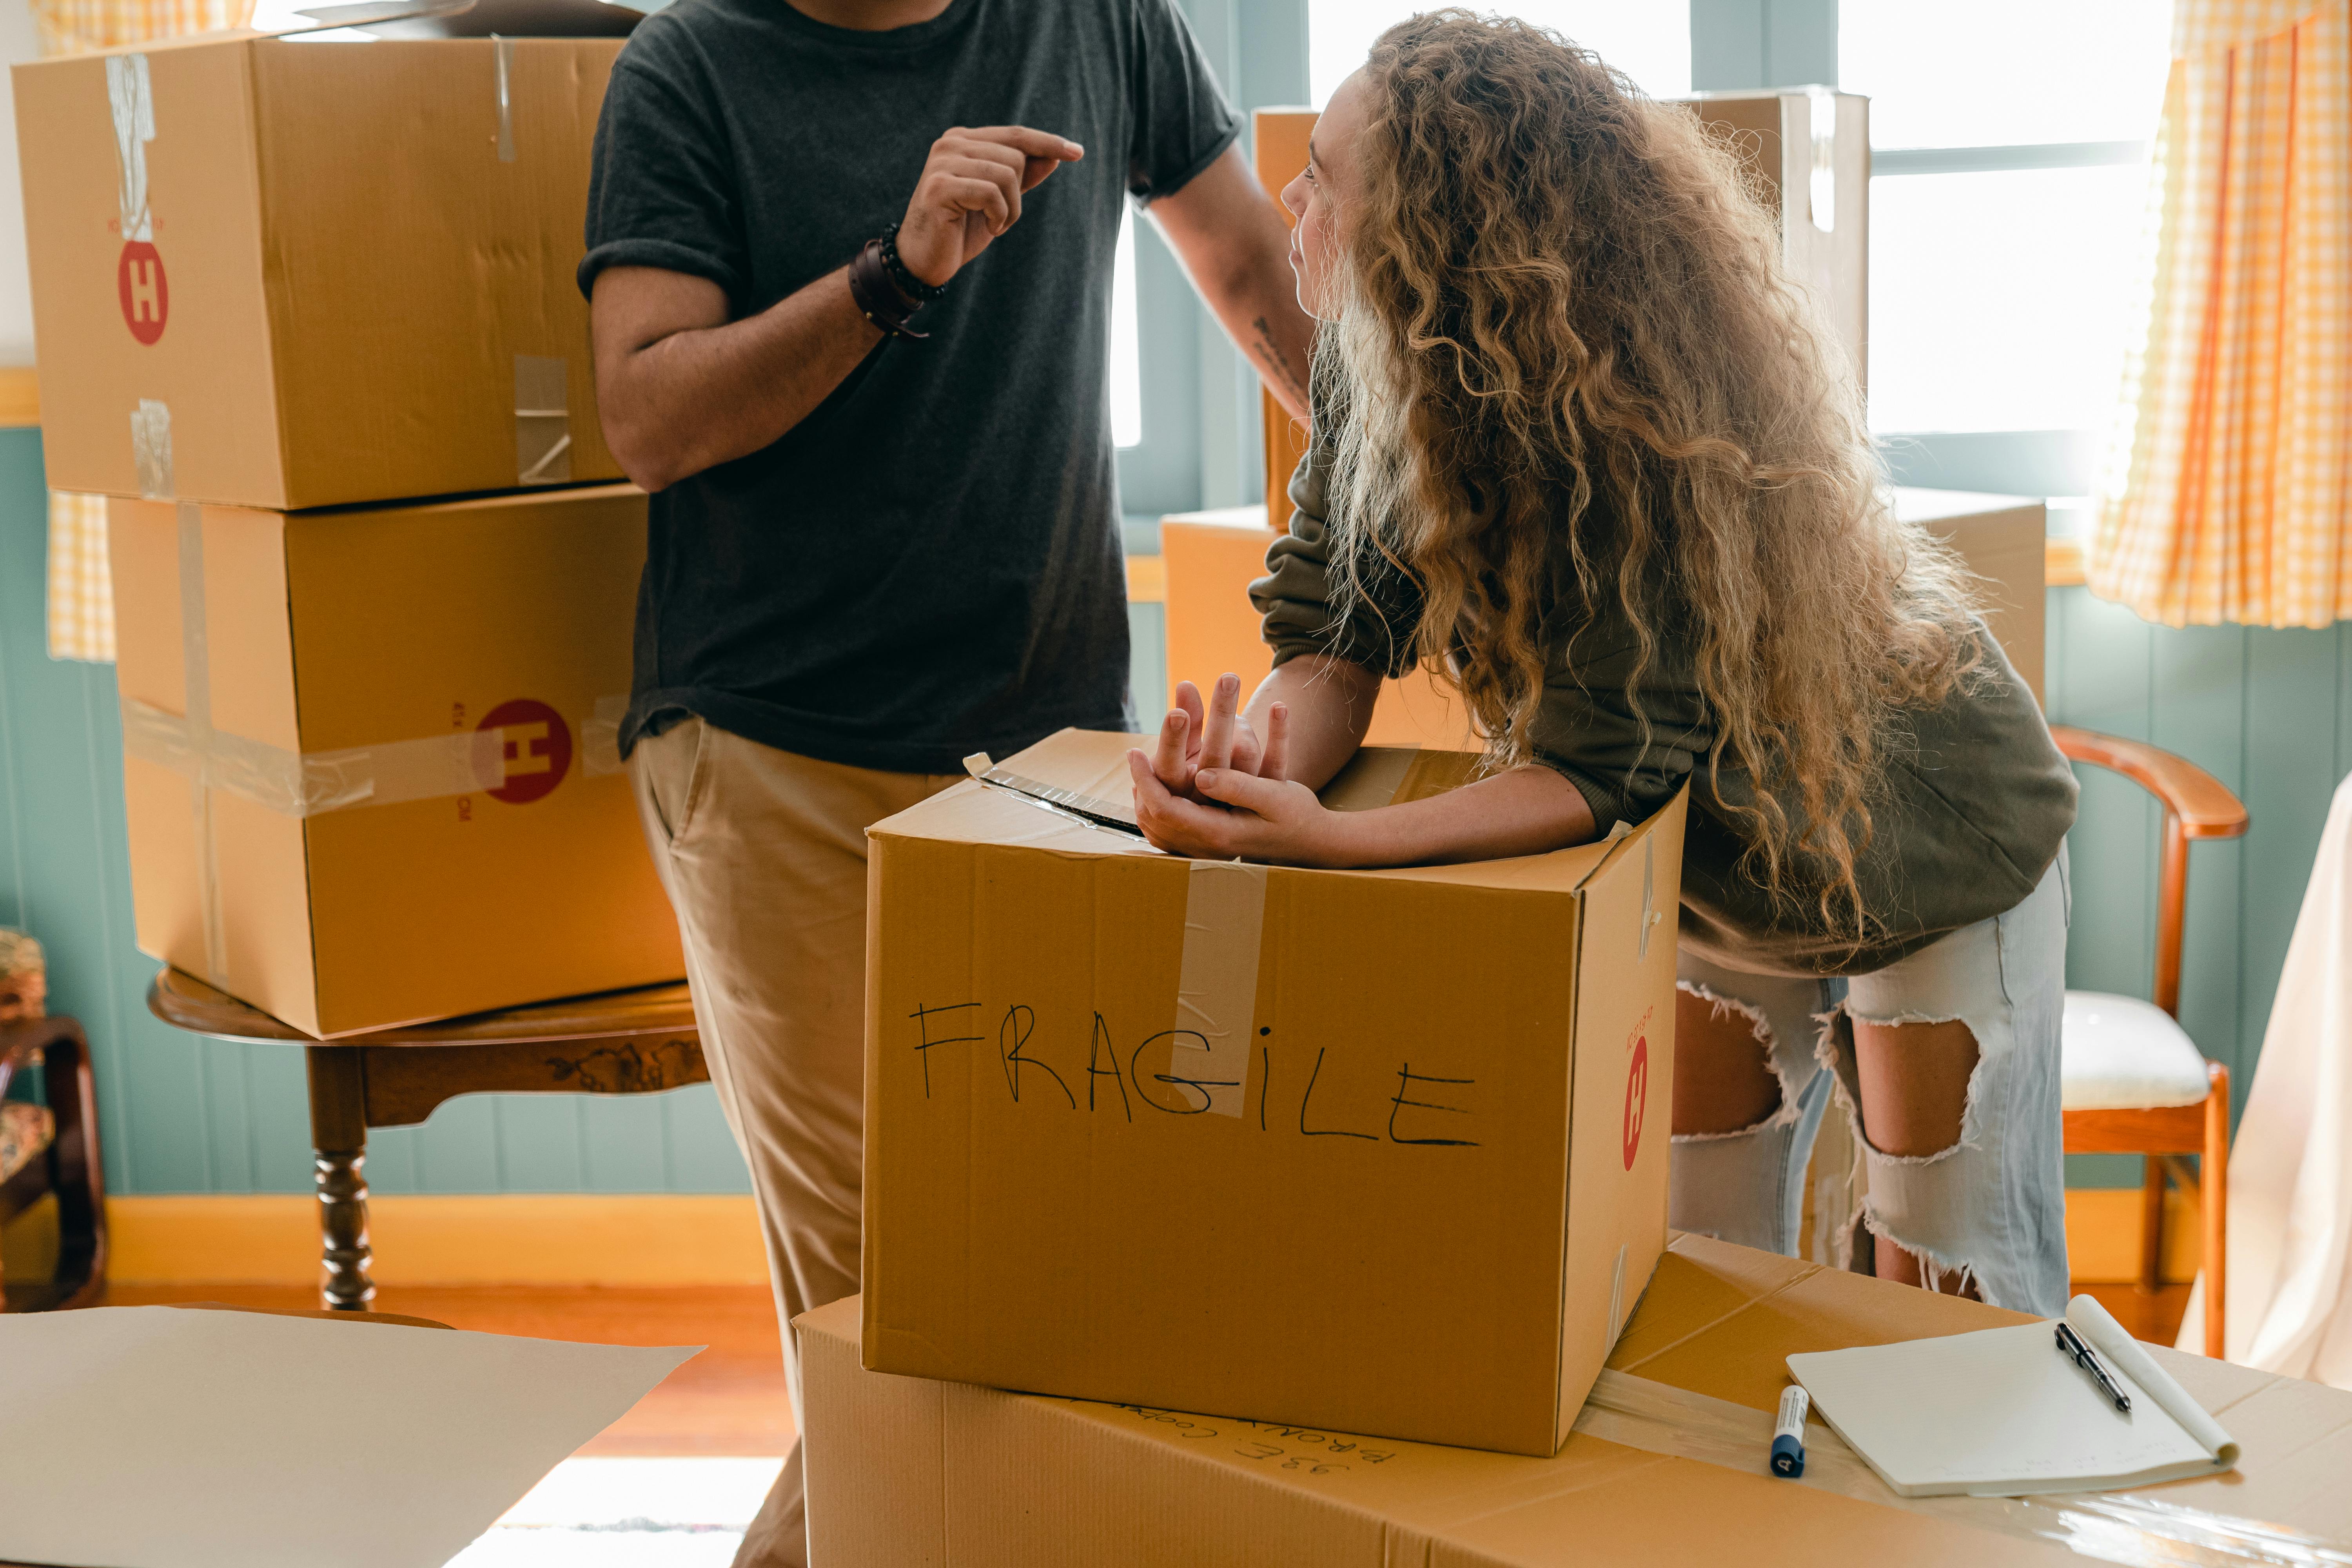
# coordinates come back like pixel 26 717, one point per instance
pixel 915 289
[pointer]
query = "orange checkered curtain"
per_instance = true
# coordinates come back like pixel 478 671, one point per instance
pixel 2230 487
pixel 80 594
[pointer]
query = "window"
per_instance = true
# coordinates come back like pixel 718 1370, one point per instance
pixel 1649 40
pixel 2008 206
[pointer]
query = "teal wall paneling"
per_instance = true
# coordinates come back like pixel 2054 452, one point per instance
pixel 2264 711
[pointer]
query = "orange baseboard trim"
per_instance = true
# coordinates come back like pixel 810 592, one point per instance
pixel 20 396
pixel 676 1240
pixel 2102 1236
pixel 502 1239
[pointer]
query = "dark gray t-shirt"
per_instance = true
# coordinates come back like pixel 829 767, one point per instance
pixel 928 565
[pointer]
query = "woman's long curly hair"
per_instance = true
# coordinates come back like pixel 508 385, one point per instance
pixel 1566 365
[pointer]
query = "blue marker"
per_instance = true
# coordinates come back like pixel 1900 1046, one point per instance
pixel 1789 1436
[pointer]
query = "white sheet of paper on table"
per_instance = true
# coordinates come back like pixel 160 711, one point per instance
pixel 162 1437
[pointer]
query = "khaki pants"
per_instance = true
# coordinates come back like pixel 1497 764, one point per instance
pixel 763 855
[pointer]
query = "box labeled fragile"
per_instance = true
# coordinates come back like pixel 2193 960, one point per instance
pixel 287 273
pixel 370 756
pixel 1383 1151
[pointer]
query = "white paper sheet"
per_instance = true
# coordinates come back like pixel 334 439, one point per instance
pixel 159 1437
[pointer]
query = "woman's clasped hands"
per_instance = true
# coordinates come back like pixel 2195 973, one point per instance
pixel 1216 789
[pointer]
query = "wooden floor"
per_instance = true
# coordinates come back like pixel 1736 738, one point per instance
pixel 730 1400
pixel 2155 1319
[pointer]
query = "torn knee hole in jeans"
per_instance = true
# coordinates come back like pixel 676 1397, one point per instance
pixel 1761 1029
pixel 1937 1271
pixel 1835 1051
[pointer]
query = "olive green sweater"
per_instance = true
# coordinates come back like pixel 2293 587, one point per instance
pixel 1976 798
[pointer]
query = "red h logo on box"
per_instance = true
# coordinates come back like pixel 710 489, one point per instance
pixel 146 296
pixel 538 748
pixel 1637 1095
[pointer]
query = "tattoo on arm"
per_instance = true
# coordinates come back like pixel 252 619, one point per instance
pixel 1271 358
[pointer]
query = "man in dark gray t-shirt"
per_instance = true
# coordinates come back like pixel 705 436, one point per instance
pixel 873 552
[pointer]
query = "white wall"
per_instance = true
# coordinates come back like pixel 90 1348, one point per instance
pixel 18 41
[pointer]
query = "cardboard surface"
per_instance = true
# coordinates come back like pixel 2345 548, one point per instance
pixel 333 633
pixel 1280 137
pixel 358 285
pixel 1807 150
pixel 904 1470
pixel 153 1438
pixel 2004 540
pixel 1210 559
pixel 1262 1139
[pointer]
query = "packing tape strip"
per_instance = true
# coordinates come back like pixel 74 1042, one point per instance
pixel 195 663
pixel 131 100
pixel 502 53
pixel 600 737
pixel 310 783
pixel 1637 1413
pixel 543 400
pixel 150 449
pixel 1216 985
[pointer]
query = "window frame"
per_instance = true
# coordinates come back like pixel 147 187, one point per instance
pixel 1201 444
pixel 1201 429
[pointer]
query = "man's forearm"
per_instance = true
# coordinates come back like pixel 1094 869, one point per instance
pixel 1232 240
pixel 1258 306
pixel 705 396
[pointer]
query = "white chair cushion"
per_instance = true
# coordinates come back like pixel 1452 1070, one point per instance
pixel 2123 1054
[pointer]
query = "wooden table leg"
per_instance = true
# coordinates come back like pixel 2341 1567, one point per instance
pixel 339 1134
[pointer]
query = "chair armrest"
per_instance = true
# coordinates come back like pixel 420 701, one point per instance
pixel 2203 804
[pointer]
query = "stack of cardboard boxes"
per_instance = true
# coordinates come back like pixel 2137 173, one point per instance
pixel 1377 1153
pixel 1305 1207
pixel 306 314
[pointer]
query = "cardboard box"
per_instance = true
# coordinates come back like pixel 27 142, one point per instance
pixel 1809 150
pixel 2005 541
pixel 407 718
pixel 1262 1139
pixel 1279 138
pixel 281 273
pixel 1213 556
pixel 1667 1466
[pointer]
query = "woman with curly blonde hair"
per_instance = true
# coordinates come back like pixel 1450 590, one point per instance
pixel 1585 452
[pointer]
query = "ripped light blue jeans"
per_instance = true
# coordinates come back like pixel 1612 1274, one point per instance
pixel 1992 1207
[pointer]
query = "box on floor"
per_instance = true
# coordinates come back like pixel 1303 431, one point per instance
pixel 1668 1465
pixel 368 756
pixel 283 273
pixel 1379 1150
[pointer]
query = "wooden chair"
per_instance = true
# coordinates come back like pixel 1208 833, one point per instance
pixel 52 1148
pixel 623 1042
pixel 2135 1083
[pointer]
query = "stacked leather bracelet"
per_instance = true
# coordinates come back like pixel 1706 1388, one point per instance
pixel 886 292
